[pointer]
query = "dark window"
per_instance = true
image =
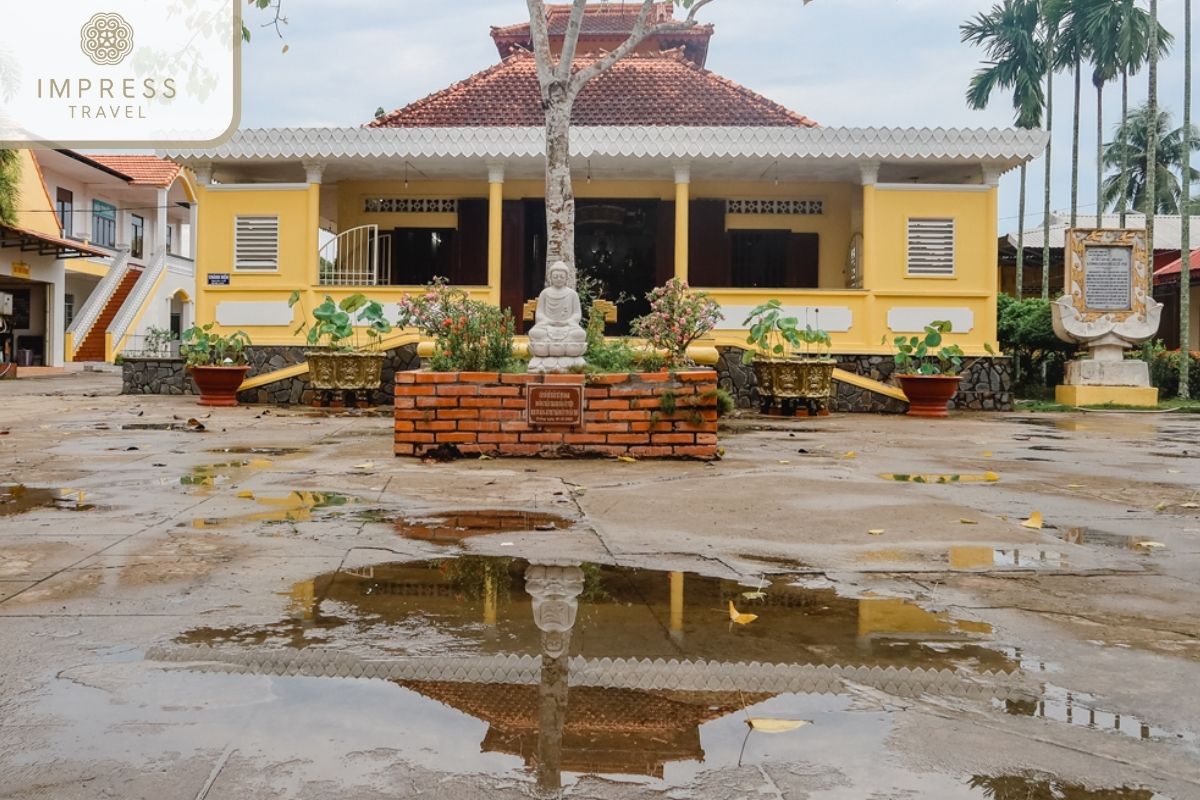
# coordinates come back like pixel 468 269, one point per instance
pixel 138 226
pixel 418 254
pixel 104 224
pixel 68 309
pixel 64 204
pixel 774 259
pixel 170 238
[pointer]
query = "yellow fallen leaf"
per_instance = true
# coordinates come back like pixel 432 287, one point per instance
pixel 627 459
pixel 966 521
pixel 1148 545
pixel 754 595
pixel 246 494
pixel 739 617
pixel 484 457
pixel 987 453
pixel 1172 472
pixel 776 725
pixel 1189 505
pixel 851 454
pixel 1076 486
pixel 783 461
pixel 991 477
pixel 1034 521
pixel 876 531
pixel 365 465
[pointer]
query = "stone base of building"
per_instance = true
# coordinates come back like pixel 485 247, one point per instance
pixel 1096 372
pixel 167 376
pixel 643 415
pixel 1136 396
pixel 986 385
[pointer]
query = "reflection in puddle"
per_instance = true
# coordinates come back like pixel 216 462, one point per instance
pixel 1077 708
pixel 455 526
pixel 208 475
pixel 974 557
pixel 18 498
pixel 273 452
pixel 294 507
pixel 1087 536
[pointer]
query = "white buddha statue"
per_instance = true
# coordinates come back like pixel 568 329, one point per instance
pixel 556 340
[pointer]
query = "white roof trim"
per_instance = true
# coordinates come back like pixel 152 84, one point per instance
pixel 1003 146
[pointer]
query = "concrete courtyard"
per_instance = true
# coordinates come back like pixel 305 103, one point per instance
pixel 264 602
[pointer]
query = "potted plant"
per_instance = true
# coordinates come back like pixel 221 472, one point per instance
pixel 928 370
pixel 217 363
pixel 790 364
pixel 340 362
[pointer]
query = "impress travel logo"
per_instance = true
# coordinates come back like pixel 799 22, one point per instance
pixel 141 73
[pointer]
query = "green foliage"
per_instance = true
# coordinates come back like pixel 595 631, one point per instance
pixel 10 185
pixel 670 402
pixel 334 325
pixel 203 348
pixel 615 355
pixel 678 316
pixel 1164 370
pixel 1025 330
pixel 776 336
pixel 158 341
pixel 926 354
pixel 468 335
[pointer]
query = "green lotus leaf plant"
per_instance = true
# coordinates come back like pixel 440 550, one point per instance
pixel 775 335
pixel 337 326
pixel 927 354
pixel 202 347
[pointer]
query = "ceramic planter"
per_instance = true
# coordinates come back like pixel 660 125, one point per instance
pixel 790 380
pixel 929 395
pixel 218 386
pixel 344 371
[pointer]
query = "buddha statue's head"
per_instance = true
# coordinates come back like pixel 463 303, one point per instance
pixel 559 274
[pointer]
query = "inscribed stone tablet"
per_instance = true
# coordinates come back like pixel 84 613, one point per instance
pixel 552 404
pixel 1108 278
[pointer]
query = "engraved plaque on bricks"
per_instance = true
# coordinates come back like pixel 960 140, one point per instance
pixel 1108 278
pixel 552 405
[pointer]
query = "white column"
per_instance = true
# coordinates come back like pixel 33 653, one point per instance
pixel 160 222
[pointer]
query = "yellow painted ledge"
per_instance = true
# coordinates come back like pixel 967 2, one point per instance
pixel 870 385
pixel 1138 396
pixel 385 343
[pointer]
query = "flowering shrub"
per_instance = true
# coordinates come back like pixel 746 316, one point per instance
pixel 678 316
pixel 467 335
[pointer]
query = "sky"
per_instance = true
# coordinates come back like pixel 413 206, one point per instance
pixel 857 63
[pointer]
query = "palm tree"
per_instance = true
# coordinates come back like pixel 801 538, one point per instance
pixel 1151 172
pixel 1132 145
pixel 10 182
pixel 1016 61
pixel 1066 17
pixel 1120 34
pixel 1185 233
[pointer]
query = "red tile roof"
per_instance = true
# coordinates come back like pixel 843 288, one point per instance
pixel 658 89
pixel 141 170
pixel 1172 272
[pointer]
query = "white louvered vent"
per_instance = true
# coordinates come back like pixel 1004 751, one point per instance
pixel 256 243
pixel 930 247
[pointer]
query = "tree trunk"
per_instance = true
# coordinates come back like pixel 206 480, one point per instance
pixel 1099 153
pixel 1185 233
pixel 1020 284
pixel 1075 148
pixel 1049 141
pixel 1123 204
pixel 1152 135
pixel 560 196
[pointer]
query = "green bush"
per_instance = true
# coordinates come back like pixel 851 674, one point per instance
pixel 1164 370
pixel 1025 330
pixel 604 355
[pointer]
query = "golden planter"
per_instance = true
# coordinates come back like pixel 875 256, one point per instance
pixel 794 378
pixel 332 371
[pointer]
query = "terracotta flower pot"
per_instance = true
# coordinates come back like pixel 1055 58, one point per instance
pixel 929 395
pixel 218 385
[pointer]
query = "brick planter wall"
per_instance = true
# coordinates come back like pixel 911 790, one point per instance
pixel 485 412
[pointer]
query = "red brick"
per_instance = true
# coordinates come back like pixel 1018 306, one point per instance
pixel 635 390
pixel 458 413
pixel 682 390
pixel 437 402
pixel 473 449
pixel 564 378
pixel 595 394
pixel 584 438
pixel 542 438
pixel 697 376
pixel 406 376
pixel 438 425
pixel 454 437
pixel 404 426
pixel 402 414
pixel 405 402
pixel 608 405
pixel 629 415
pixel 685 426
pixel 415 438
pixel 707 452
pixel 504 414
pixel 403 449
pixel 673 438
pixel 479 377
pixel 651 452
pixel 437 377
pixel 414 391
pixel 654 377
pixel 521 449
pixel 627 438
pixel 457 390
pixel 609 379
pixel 514 402
pixel 500 391
pixel 471 425
pixel 519 377
pixel 706 438
pixel 481 402
pixel 606 427
pixel 651 402
pixel 499 438
pixel 515 426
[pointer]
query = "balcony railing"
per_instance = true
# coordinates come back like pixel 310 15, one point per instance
pixel 357 257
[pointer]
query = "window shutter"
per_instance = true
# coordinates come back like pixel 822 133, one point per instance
pixel 930 247
pixel 256 243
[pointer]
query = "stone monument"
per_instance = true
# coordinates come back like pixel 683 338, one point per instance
pixel 556 340
pixel 1108 308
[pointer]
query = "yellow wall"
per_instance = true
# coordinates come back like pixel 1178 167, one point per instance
pixel 36 211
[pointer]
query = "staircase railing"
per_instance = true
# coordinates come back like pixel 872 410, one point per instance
pixel 356 257
pixel 134 305
pixel 89 312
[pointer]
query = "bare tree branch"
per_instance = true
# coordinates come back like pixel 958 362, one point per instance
pixel 641 31
pixel 570 41
pixel 540 34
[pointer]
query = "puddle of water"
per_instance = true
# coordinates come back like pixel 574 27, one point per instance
pixel 1087 536
pixel 452 527
pixel 18 499
pixel 1078 708
pixel 272 452
pixel 780 564
pixel 209 475
pixel 975 557
pixel 294 507
pixel 948 477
